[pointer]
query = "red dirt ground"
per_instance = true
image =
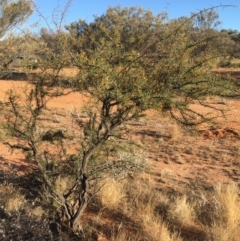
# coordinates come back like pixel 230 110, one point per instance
pixel 178 157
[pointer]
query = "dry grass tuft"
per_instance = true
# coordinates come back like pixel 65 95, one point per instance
pixel 111 193
pixel 146 205
pixel 37 212
pixel 14 200
pixel 62 184
pixel 176 132
pixel 182 211
pixel 226 226
pixel 218 232
pixel 157 230
pixel 167 173
pixel 124 236
pixel 227 196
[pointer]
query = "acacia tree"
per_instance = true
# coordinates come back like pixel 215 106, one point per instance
pixel 152 61
pixel 12 14
pixel 129 61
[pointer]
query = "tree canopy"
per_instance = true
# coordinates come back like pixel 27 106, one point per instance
pixel 135 60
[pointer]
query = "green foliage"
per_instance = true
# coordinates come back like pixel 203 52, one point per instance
pixel 131 60
pixel 13 13
pixel 206 19
pixel 232 42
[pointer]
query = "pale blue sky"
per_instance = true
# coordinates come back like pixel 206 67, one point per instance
pixel 85 9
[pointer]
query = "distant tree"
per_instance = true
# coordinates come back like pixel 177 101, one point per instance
pixel 12 13
pixel 205 25
pixel 233 42
pixel 50 38
pixel 207 19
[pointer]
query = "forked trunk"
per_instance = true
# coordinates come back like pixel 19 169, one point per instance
pixel 72 213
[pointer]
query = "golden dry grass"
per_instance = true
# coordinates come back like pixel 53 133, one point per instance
pixel 123 236
pixel 226 226
pixel 229 209
pixel 182 211
pixel 14 200
pixel 162 218
pixel 142 202
pixel 37 212
pixel 62 184
pixel 111 193
pixel 176 131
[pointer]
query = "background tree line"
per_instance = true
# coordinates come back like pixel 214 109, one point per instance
pixel 226 42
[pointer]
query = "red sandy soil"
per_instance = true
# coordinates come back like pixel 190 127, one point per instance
pixel 58 104
pixel 183 160
pixel 179 157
